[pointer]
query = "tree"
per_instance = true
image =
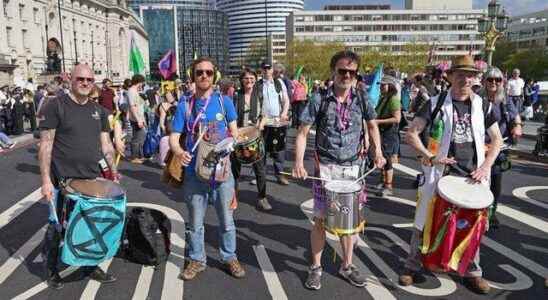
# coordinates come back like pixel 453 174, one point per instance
pixel 255 54
pixel 313 56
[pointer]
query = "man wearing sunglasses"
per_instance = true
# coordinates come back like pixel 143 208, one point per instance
pixel 343 121
pixel 74 137
pixel 463 118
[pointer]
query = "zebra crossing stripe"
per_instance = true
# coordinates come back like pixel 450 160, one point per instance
pixel 43 285
pixel 272 281
pixel 143 284
pixel 93 286
pixel 14 211
pixel 15 260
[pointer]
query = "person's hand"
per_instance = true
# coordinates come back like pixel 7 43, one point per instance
pixel 116 177
pixel 444 161
pixel 47 191
pixel 517 132
pixel 120 147
pixel 184 157
pixel 299 171
pixel 284 117
pixel 481 173
pixel 380 161
pixel 141 124
pixel 365 148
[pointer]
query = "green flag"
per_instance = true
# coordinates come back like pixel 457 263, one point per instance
pixel 136 63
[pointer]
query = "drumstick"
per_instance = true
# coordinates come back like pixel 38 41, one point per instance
pixel 364 175
pixel 307 177
pixel 198 141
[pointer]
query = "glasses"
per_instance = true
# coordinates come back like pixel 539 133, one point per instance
pixel 208 73
pixel 343 72
pixel 267 67
pixel 493 80
pixel 85 79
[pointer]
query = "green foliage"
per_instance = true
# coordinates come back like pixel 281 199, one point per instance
pixel 313 56
pixel 255 54
pixel 413 57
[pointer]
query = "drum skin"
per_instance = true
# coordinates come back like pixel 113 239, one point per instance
pixel 99 188
pixel 344 214
pixel 250 147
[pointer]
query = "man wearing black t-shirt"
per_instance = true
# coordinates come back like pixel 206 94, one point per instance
pixel 74 136
pixel 461 123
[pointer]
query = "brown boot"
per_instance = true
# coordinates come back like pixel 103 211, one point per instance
pixel 235 269
pixel 192 269
pixel 407 277
pixel 478 285
pixel 282 180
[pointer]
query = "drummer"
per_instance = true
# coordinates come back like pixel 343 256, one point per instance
pixel 242 102
pixel 343 121
pixel 273 103
pixel 74 136
pixel 466 117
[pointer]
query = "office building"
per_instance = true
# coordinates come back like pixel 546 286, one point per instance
pixel 529 31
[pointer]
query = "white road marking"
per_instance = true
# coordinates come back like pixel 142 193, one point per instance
pixel 173 287
pixel 93 286
pixel 11 213
pixel 43 285
pixel 534 248
pixel 447 285
pixel 403 225
pixel 521 193
pixel 375 288
pixel 271 277
pixel 143 284
pixel 503 209
pixel 522 282
pixel 16 259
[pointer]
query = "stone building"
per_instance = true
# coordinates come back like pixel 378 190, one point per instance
pixel 96 32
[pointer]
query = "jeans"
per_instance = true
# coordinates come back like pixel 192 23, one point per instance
pixel 518 102
pixel 198 194
pixel 137 140
pixel 279 160
pixel 260 175
pixel 414 260
pixel 5 141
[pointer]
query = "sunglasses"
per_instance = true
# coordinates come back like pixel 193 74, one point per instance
pixel 343 72
pixel 493 80
pixel 199 73
pixel 85 79
pixel 267 67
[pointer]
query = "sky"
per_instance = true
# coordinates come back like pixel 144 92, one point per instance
pixel 513 7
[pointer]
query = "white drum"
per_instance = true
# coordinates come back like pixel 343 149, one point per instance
pixel 464 192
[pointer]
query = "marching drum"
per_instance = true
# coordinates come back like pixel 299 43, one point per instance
pixel 275 132
pixel 95 223
pixel 456 221
pixel 250 146
pixel 345 214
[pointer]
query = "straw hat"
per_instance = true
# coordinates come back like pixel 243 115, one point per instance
pixel 463 63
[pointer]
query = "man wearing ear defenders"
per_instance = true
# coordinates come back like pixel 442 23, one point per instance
pixel 206 118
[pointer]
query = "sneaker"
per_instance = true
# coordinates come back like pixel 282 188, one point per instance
pixel 10 146
pixel 386 191
pixel 55 282
pixel 263 204
pixel 99 275
pixel 313 282
pixel 282 180
pixel 192 269
pixel 353 276
pixel 253 182
pixel 477 284
pixel 406 278
pixel 235 268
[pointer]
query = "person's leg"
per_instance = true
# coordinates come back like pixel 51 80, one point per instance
pixel 52 241
pixel 142 134
pixel 348 271
pixel 413 263
pixel 5 141
pixel 134 141
pixel 473 276
pixel 196 197
pixel 496 186
pixel 236 168
pixel 260 175
pixel 317 241
pixel 279 160
pixel 164 148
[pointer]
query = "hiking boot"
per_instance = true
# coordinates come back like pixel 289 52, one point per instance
pixel 263 204
pixel 282 180
pixel 353 276
pixel 192 269
pixel 406 277
pixel 235 268
pixel 99 275
pixel 477 284
pixel 55 282
pixel 313 281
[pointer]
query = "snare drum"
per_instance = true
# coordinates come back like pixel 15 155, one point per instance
pixel 275 132
pixel 456 222
pixel 250 146
pixel 344 213
pixel 95 223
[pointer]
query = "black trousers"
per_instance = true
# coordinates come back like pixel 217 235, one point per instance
pixel 260 175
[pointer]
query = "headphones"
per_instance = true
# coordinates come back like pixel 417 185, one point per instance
pixel 216 73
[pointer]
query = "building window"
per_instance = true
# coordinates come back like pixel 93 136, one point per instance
pixel 21 12
pixel 35 15
pixel 5 6
pixel 9 36
pixel 24 36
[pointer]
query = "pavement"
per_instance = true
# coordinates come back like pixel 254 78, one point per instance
pixel 274 246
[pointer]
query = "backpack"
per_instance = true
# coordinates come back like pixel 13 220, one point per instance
pixel 146 238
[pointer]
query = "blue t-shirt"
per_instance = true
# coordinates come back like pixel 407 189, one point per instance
pixel 214 120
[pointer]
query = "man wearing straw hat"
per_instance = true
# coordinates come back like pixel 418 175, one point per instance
pixel 465 118
pixel 344 120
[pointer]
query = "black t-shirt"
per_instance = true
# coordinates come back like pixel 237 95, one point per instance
pixel 77 147
pixel 462 146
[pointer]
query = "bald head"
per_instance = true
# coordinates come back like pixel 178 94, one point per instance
pixel 82 80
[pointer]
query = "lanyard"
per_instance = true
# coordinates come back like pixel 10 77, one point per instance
pixel 199 116
pixel 343 111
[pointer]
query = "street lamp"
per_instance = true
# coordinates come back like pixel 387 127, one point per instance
pixel 492 27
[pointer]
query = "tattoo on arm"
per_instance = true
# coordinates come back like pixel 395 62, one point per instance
pixel 108 150
pixel 44 153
